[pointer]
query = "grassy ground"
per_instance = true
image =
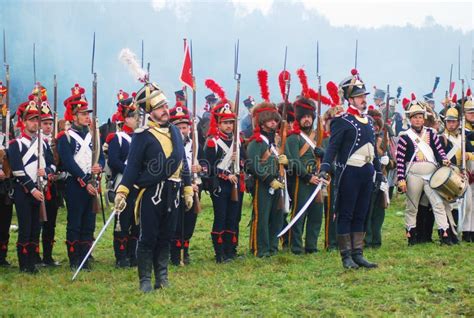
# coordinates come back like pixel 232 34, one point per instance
pixel 424 280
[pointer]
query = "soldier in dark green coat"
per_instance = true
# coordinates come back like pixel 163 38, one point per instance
pixel 263 164
pixel 303 154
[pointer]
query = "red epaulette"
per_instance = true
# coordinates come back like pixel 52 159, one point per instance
pixel 11 141
pixel 211 143
pixel 60 134
pixel 110 137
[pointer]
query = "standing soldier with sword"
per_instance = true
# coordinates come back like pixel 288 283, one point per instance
pixel 352 144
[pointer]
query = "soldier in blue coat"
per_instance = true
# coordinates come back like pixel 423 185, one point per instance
pixel 75 153
pixel 23 157
pixel 157 169
pixel 126 231
pixel 352 145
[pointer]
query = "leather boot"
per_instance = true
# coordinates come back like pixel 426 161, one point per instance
pixel 412 236
pixel 345 248
pixel 48 253
pixel 33 255
pixel 466 237
pixel 73 254
pixel 217 241
pixel 160 265
pixel 3 254
pixel 175 252
pixel 132 250
pixel 84 248
pixel 120 250
pixel 444 237
pixel 227 244
pixel 22 252
pixel 357 250
pixel 187 259
pixel 145 266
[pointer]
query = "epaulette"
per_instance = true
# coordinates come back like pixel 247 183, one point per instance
pixel 141 129
pixel 110 137
pixel 12 141
pixel 60 134
pixel 211 143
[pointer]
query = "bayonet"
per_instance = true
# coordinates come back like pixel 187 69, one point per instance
pixel 143 50
pixel 34 63
pixel 356 50
pixel 236 136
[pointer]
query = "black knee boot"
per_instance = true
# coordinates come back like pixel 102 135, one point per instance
pixel 160 265
pixel 73 254
pixel 22 252
pixel 120 250
pixel 357 250
pixel 175 252
pixel 48 253
pixel 187 258
pixel 217 241
pixel 33 255
pixel 84 247
pixel 132 250
pixel 3 254
pixel 345 248
pixel 145 266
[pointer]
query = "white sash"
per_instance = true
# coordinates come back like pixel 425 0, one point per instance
pixel 420 144
pixel 456 146
pixel 83 156
pixel 125 136
pixel 308 140
pixel 272 147
pixel 188 151
pixel 226 161
pixel 31 168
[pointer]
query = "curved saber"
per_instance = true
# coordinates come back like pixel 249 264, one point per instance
pixel 111 217
pixel 302 210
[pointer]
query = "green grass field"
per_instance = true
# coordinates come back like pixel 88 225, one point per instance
pixel 424 280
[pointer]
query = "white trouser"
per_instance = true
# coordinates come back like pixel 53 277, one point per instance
pixel 417 183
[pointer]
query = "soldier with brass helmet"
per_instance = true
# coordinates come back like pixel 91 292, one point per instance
pixel 157 168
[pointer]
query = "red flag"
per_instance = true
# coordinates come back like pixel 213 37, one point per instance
pixel 451 88
pixel 187 72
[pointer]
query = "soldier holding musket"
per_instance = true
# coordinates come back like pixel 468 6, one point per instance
pixel 31 160
pixel 75 152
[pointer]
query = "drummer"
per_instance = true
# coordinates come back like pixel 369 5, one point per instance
pixel 419 152
pixel 451 141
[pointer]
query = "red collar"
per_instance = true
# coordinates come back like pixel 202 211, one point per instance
pixel 25 135
pixel 354 111
pixel 127 129
pixel 223 136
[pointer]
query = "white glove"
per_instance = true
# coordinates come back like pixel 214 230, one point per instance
pixel 384 160
pixel 120 202
pixel 384 186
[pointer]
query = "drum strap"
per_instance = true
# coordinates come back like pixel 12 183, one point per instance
pixel 420 144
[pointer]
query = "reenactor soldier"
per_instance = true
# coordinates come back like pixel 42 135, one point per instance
pixel 263 164
pixel 179 116
pixel 419 152
pixel 303 155
pixel 352 145
pixel 6 204
pixel 157 168
pixel 75 153
pixel 23 156
pixel 126 230
pixel 220 156
pixel 246 122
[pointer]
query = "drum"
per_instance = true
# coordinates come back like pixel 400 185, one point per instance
pixel 449 183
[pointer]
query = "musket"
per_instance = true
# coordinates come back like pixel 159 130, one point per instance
pixel 283 202
pixel 319 130
pixel 5 130
pixel 55 121
pixel 39 180
pixel 236 137
pixel 459 62
pixel 95 135
pixel 194 139
pixel 143 50
pixel 450 82
pixel 463 163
